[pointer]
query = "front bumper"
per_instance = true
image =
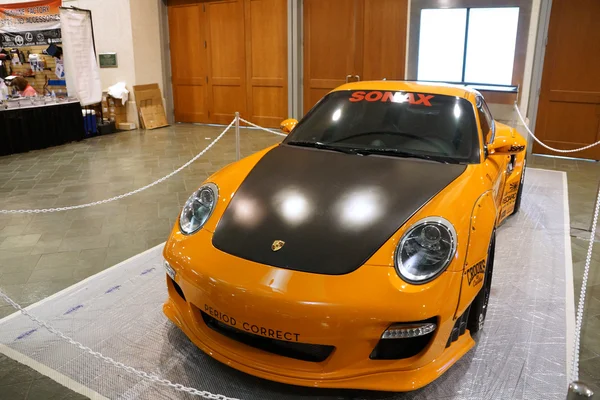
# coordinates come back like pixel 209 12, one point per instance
pixel 347 312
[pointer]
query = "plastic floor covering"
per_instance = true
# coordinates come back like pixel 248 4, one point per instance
pixel 521 353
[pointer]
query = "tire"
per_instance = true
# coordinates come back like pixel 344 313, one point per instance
pixel 520 191
pixel 480 304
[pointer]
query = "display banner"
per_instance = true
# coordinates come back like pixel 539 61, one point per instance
pixel 30 24
pixel 79 56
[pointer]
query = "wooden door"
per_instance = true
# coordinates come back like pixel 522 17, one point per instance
pixel 226 60
pixel 188 63
pixel 266 61
pixel 329 46
pixel 382 47
pixel 569 104
pixel 354 39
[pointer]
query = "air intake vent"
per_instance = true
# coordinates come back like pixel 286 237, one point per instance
pixel 460 326
pixel 299 351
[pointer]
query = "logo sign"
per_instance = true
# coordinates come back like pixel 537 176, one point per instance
pixel 392 97
pixel 277 245
pixel 32 23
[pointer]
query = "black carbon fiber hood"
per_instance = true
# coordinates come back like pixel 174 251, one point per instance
pixel 331 210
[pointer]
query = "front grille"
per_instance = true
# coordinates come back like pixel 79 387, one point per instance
pixel 397 349
pixel 460 326
pixel 298 351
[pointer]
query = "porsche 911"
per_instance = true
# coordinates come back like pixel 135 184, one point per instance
pixel 358 252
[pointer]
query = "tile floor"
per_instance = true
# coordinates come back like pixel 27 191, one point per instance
pixel 41 254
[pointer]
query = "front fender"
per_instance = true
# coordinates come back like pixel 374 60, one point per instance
pixel 482 224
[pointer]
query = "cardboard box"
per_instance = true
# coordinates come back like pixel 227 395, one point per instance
pixel 150 106
pixel 126 126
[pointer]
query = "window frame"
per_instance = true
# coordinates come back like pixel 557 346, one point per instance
pixel 416 6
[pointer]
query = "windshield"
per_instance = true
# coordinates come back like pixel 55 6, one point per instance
pixel 436 127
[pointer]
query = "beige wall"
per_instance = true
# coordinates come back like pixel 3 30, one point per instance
pixel 145 24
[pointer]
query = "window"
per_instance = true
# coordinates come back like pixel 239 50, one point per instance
pixel 486 121
pixel 420 124
pixel 468 45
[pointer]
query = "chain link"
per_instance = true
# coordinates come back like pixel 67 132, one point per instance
pixel 545 145
pixel 581 304
pixel 121 196
pixel 261 128
pixel 208 395
pixel 141 374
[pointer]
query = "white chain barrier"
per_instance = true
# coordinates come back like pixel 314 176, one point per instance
pixel 261 128
pixel 588 259
pixel 545 145
pixel 141 374
pixel 121 196
pixel 208 395
pixel 581 304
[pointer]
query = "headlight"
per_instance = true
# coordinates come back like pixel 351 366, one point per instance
pixel 198 208
pixel 425 250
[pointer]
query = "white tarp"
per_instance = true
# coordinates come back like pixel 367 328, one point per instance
pixel 521 353
pixel 81 68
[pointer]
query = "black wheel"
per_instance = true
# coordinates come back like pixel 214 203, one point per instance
pixel 480 304
pixel 520 191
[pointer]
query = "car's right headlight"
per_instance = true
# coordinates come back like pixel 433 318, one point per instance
pixel 198 208
pixel 425 250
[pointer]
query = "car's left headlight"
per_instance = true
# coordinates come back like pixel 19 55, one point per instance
pixel 425 250
pixel 198 208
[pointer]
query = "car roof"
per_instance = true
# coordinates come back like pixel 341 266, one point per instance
pixel 411 86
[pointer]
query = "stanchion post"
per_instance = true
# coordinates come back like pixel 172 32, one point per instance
pixel 237 135
pixel 579 391
pixel 595 205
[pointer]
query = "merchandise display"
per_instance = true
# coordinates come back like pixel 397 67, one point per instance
pixel 334 259
pixel 37 123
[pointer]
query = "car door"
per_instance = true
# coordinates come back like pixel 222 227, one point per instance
pixel 495 165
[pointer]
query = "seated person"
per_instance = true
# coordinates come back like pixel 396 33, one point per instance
pixel 23 87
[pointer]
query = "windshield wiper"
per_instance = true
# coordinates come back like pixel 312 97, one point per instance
pixel 370 151
pixel 405 154
pixel 323 146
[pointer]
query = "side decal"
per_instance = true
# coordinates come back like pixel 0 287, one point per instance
pixel 475 273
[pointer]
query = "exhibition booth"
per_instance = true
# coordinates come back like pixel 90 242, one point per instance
pixel 49 85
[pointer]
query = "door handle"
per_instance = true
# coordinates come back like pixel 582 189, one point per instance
pixel 357 77
pixel 348 77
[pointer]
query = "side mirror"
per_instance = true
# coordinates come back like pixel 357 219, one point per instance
pixel 507 142
pixel 288 125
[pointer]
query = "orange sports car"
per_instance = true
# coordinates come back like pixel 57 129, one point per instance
pixel 358 252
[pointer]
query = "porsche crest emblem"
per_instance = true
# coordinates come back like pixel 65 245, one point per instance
pixel 277 245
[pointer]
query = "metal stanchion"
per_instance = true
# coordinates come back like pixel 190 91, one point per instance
pixel 579 391
pixel 237 135
pixel 595 205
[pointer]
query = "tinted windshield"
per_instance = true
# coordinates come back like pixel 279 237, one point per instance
pixel 419 124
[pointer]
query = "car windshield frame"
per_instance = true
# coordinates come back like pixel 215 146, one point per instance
pixel 425 106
